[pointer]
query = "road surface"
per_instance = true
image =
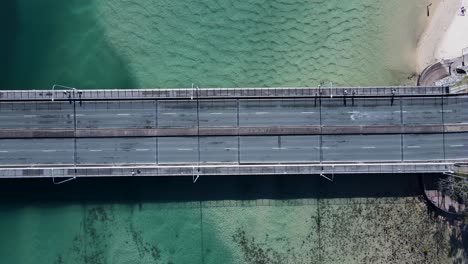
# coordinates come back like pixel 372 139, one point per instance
pixel 225 113
pixel 226 149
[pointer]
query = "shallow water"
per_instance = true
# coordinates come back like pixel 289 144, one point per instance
pixel 133 44
pixel 212 43
pixel 255 219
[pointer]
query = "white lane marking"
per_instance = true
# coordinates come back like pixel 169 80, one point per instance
pixel 307 113
pixel 49 150
pixel 457 146
pixel 3 151
pixel 29 115
pixel 230 148
pixel 169 113
pixel 276 148
pixel 142 149
pixel 95 150
pixel 369 147
pixel 261 113
pixel 80 115
pixel 216 113
pixel 123 114
pixel 446 111
pixel 323 147
pixel 353 112
pixel 185 149
pixel 414 146
pixel 398 111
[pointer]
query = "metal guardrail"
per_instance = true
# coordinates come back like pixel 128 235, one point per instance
pixel 214 170
pixel 320 129
pixel 228 169
pixel 65 94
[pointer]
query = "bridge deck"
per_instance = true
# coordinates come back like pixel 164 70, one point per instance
pixel 403 111
pixel 232 132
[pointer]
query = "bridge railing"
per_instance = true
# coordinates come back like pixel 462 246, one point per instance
pixel 217 170
pixel 405 114
pixel 135 94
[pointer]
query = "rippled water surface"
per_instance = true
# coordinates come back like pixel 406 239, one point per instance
pixel 213 43
pixel 224 43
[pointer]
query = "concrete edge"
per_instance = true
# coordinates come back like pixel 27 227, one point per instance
pixel 223 169
pixel 231 131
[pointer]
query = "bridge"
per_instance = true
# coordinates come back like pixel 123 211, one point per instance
pixel 67 132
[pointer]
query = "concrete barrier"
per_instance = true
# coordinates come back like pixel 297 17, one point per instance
pixel 326 170
pixel 433 73
pixel 232 131
pixel 459 89
pixel 461 169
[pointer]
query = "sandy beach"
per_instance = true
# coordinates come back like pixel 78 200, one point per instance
pixel 445 34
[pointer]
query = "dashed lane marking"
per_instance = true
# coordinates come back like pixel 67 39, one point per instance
pixel 142 149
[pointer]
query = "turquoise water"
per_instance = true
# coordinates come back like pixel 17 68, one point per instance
pixel 134 44
pixel 270 219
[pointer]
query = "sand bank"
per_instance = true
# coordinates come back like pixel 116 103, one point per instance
pixel 445 34
pixel 455 39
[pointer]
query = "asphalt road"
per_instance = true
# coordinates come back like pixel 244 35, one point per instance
pixel 252 149
pixel 223 113
pixel 36 115
pixel 36 151
pixel 456 146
